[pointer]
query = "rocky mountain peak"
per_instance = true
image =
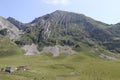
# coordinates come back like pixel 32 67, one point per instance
pixel 60 16
pixel 17 23
pixel 11 18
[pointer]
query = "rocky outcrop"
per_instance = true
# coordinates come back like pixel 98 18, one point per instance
pixel 18 24
pixel 9 29
pixel 57 50
pixel 30 49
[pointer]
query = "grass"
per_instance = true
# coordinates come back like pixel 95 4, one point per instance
pixel 75 67
pixel 86 65
pixel 8 48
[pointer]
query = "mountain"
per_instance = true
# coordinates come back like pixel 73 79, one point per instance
pixel 115 30
pixel 65 29
pixel 68 28
pixel 114 44
pixel 18 24
pixel 8 29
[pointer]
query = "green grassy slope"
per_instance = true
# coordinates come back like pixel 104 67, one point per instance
pixel 8 48
pixel 76 67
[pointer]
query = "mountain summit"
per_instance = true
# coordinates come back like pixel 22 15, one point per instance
pixel 67 24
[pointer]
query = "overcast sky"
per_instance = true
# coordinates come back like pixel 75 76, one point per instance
pixel 107 11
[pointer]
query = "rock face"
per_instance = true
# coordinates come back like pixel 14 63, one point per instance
pixel 62 23
pixel 30 49
pixel 54 50
pixel 107 57
pixel 57 50
pixel 18 24
pixel 8 29
pixel 67 28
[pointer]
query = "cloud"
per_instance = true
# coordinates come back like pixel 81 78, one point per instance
pixel 57 2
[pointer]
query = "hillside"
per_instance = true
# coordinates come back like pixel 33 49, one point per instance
pixel 68 24
pixel 65 29
pixel 62 28
pixel 18 24
pixel 68 28
pixel 8 48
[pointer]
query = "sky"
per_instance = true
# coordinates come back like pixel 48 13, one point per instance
pixel 107 11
